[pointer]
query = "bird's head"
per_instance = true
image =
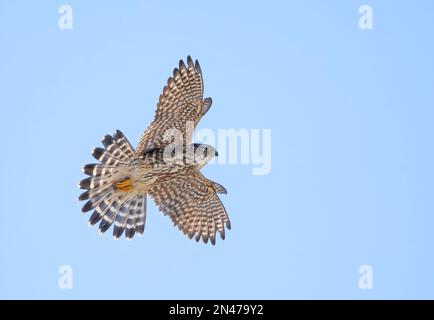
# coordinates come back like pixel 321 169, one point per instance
pixel 203 153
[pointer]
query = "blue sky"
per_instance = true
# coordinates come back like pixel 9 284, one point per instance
pixel 352 120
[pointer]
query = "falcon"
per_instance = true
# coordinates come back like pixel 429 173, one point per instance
pixel 165 166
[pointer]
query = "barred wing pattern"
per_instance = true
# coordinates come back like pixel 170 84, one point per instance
pixel 180 102
pixel 193 206
pixel 117 186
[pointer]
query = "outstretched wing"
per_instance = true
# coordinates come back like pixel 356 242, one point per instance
pixel 180 105
pixel 192 204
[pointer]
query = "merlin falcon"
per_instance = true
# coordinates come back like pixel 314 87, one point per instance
pixel 165 166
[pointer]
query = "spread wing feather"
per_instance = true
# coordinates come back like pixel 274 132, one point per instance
pixel 193 206
pixel 180 105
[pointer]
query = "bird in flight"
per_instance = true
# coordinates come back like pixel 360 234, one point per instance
pixel 165 165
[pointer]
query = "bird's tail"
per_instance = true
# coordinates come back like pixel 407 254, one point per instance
pixel 109 191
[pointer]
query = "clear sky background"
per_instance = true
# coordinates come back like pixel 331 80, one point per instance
pixel 352 120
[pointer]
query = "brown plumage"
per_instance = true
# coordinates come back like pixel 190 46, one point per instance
pixel 164 165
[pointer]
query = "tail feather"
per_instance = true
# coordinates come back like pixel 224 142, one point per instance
pixel 99 212
pixel 106 157
pixel 140 216
pixel 99 170
pixel 124 145
pixel 125 210
pixel 121 219
pixel 102 208
pixel 131 220
pixel 94 193
pixel 95 217
pixel 93 182
pixel 108 218
pixel 94 197
pixel 113 150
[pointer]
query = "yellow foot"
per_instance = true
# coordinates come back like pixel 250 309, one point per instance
pixel 124 185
